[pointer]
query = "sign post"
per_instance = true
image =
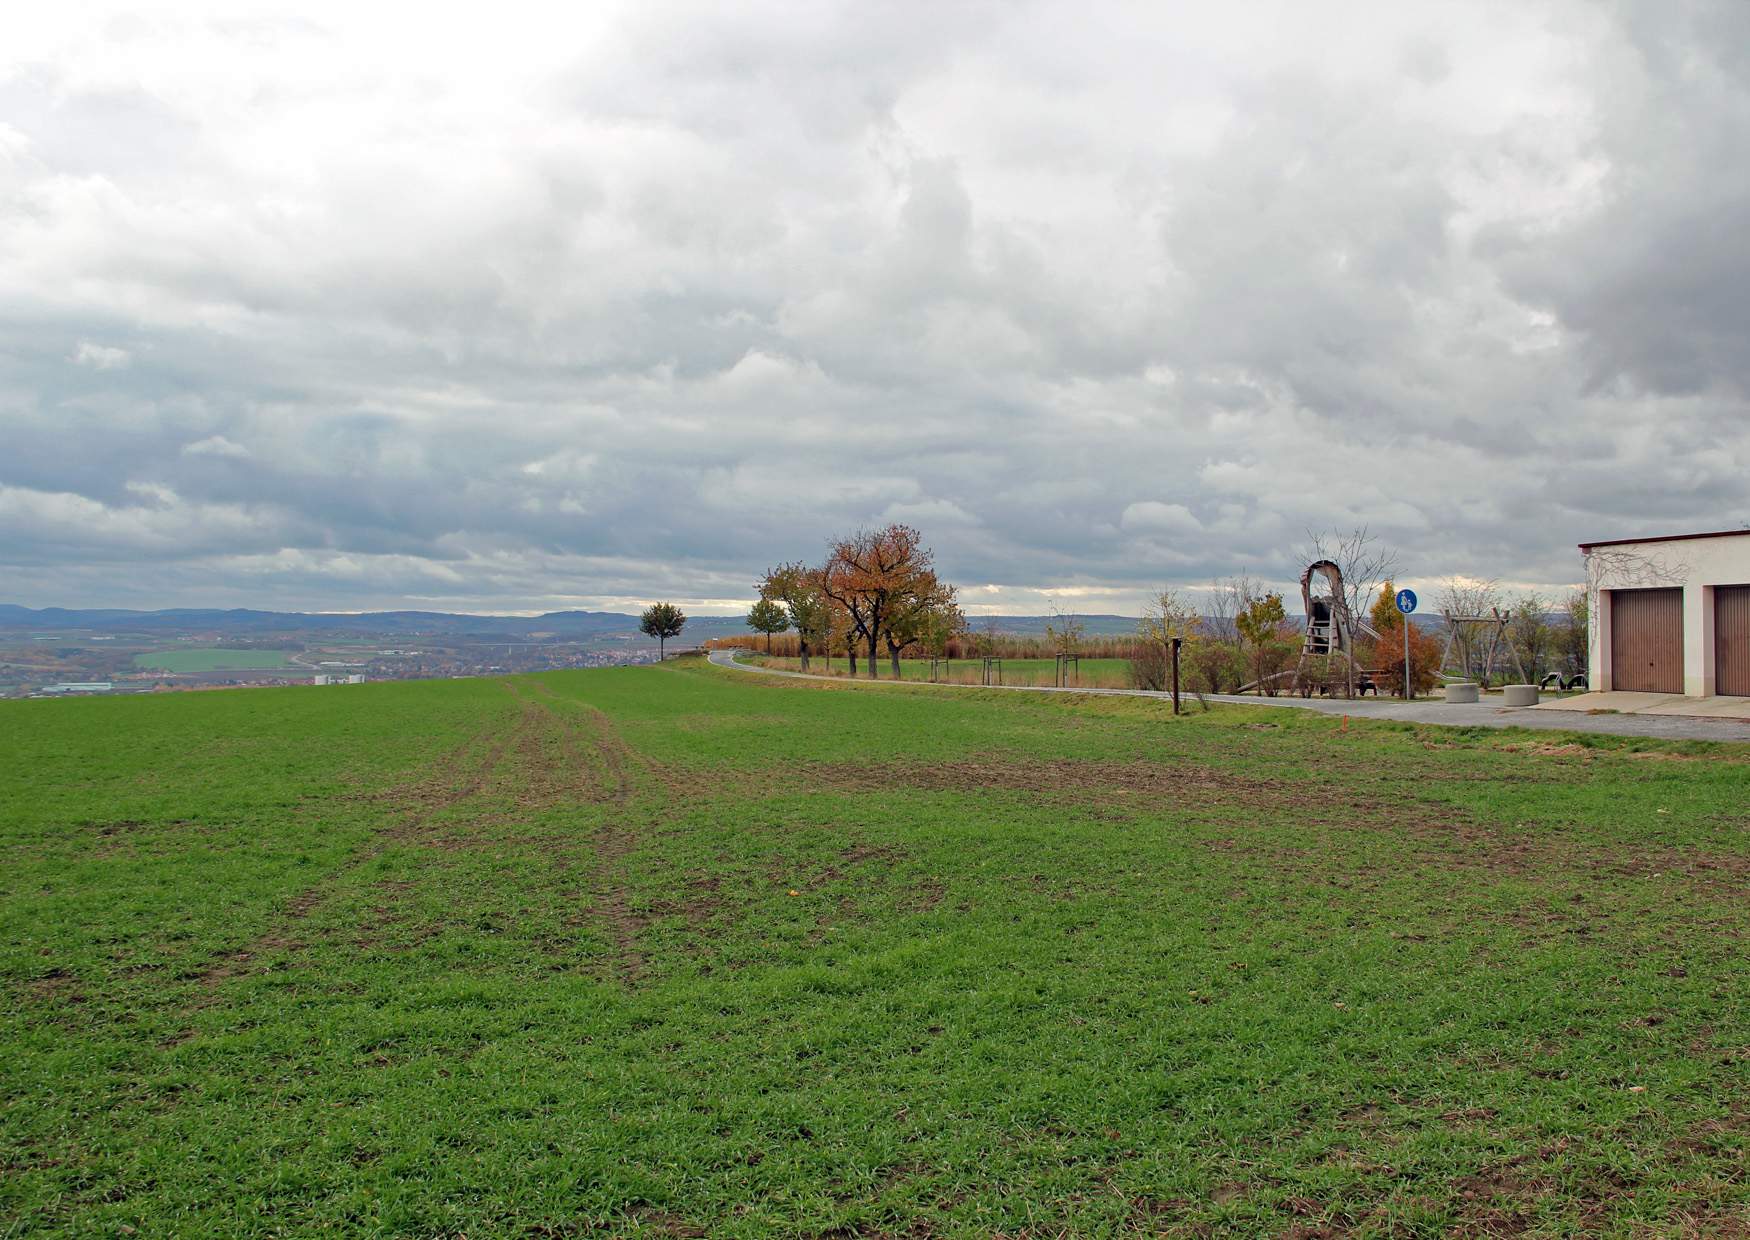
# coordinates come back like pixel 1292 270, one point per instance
pixel 1406 603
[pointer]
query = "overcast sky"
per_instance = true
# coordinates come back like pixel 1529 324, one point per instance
pixel 585 306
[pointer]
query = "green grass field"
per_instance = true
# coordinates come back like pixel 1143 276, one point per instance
pixel 204 659
pixel 682 951
pixel 1093 673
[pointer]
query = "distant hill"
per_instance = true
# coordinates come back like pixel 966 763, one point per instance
pixel 245 621
pixel 566 624
pixel 1031 626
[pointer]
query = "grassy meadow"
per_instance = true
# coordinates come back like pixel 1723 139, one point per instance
pixel 1093 673
pixel 680 951
pixel 211 659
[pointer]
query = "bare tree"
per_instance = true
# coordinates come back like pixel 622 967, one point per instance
pixel 1168 616
pixel 1467 640
pixel 1530 637
pixel 988 634
pixel 1228 597
pixel 1573 633
pixel 1064 631
pixel 1359 556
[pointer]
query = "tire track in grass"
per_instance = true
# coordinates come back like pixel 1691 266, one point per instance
pixel 428 798
pixel 533 780
pixel 590 736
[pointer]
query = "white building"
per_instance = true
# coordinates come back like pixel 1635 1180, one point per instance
pixel 1670 615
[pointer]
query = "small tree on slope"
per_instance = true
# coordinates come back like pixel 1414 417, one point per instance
pixel 662 621
pixel 768 616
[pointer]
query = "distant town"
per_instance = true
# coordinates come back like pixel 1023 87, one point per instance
pixel 56 652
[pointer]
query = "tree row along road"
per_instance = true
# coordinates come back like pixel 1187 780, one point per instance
pixel 1479 715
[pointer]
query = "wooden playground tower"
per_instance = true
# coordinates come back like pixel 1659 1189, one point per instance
pixel 1331 627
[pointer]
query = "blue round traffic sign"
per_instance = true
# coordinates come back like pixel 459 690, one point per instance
pixel 1406 601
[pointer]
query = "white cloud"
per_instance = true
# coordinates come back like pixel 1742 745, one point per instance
pixel 664 294
pixel 215 445
pixel 101 357
pixel 1152 516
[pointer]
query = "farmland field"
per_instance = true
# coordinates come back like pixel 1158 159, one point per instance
pixel 683 951
pixel 213 659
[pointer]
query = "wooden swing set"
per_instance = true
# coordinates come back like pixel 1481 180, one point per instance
pixel 1497 630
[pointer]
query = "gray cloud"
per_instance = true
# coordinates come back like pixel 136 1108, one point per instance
pixel 537 316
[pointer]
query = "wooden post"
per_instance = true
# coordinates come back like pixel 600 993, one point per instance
pixel 1176 643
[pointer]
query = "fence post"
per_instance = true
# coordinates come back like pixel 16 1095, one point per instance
pixel 1176 642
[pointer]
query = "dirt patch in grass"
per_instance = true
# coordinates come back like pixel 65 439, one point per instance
pixel 702 902
pixel 477 758
pixel 1549 751
pixel 1503 1199
pixel 55 986
pixel 568 752
pixel 887 856
pixel 1047 776
pixel 612 902
pixel 1111 790
pixel 1120 791
pixel 591 743
pixel 853 855
pixel 123 838
pixel 589 737
pixel 1708 868
pixel 456 775
pixel 277 939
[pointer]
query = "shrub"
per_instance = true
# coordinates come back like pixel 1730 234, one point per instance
pixel 1216 666
pixel 1151 666
pixel 1388 659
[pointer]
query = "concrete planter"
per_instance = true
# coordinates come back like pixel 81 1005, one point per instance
pixel 1519 695
pixel 1461 692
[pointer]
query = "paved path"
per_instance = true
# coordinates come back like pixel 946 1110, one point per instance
pixel 1481 715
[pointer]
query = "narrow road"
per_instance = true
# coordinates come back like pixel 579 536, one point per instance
pixel 1480 715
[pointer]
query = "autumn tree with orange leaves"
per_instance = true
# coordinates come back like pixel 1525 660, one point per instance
pixel 885 583
pixel 877 587
pixel 798 588
pixel 927 615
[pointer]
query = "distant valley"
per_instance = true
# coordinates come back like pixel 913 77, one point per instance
pixel 68 651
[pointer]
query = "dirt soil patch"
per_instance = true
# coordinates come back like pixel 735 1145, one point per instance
pixel 1046 776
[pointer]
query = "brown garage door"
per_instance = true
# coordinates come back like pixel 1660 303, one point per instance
pixel 1732 640
pixel 1646 641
